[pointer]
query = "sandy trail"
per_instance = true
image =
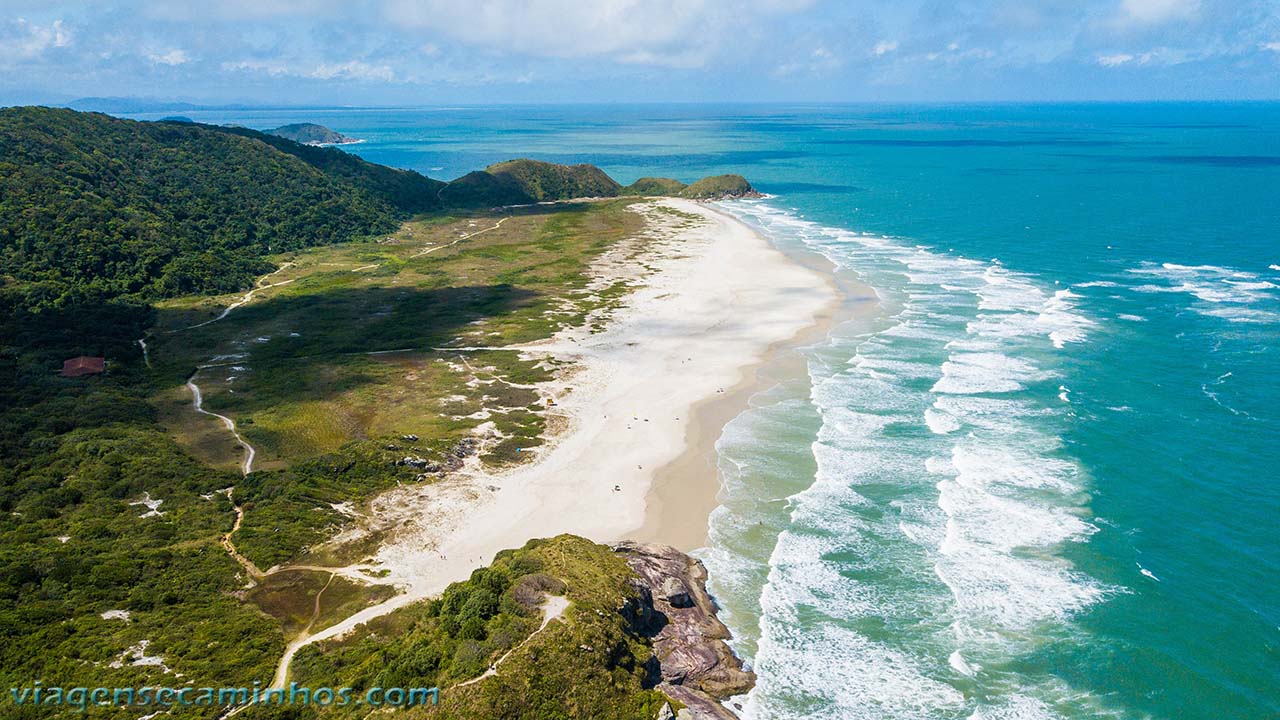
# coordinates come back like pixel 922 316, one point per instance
pixel 197 401
pixel 428 251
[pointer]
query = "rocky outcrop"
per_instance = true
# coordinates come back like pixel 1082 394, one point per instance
pixel 698 669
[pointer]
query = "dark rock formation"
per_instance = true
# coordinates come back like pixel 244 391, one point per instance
pixel 697 667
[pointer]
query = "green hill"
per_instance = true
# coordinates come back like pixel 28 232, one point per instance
pixel 310 134
pixel 95 206
pixel 655 186
pixel 519 182
pixel 548 181
pixel 406 191
pixel 719 187
pixel 481 189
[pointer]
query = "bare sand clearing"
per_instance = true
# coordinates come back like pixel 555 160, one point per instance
pixel 716 299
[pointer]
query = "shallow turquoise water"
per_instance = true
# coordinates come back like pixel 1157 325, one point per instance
pixel 1043 481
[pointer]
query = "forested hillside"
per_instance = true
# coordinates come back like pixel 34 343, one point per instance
pixel 94 207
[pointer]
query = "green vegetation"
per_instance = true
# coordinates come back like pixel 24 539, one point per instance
pixel 717 187
pixel 348 359
pixel 94 209
pixel 308 378
pixel 542 181
pixel 309 134
pixel 655 187
pixel 480 189
pixel 593 662
pixel 80 458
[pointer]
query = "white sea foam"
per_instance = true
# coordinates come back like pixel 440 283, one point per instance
pixel 937 511
pixel 939 422
pixel 957 662
pixel 986 372
pixel 1234 295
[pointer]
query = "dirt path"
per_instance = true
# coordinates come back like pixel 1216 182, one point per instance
pixel 428 251
pixel 246 298
pixel 245 562
pixel 197 401
pixel 552 607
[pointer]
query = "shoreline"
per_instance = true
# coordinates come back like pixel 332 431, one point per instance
pixel 684 492
pixel 714 302
pixel 694 331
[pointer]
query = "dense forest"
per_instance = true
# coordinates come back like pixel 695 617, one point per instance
pixel 93 207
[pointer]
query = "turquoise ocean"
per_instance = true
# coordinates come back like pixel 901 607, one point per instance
pixel 1042 480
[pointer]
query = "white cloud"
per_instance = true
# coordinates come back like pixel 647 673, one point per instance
pixel 21 40
pixel 1272 46
pixel 266 67
pixel 820 61
pixel 1159 56
pixel 350 70
pixel 171 58
pixel 674 33
pixel 353 70
pixel 884 47
pixel 1158 11
pixel 1115 60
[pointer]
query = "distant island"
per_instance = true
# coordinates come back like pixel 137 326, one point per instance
pixel 312 134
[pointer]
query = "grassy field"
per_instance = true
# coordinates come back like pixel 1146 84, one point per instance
pixel 344 355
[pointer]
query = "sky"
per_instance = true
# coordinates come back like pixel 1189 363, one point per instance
pixel 433 52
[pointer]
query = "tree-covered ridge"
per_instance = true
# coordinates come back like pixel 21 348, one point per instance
pixel 715 187
pixel 309 134
pixel 542 181
pixel 97 207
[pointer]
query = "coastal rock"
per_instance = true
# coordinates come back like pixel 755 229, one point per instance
pixel 697 666
pixel 676 592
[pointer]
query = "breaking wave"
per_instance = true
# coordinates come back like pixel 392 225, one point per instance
pixel 916 548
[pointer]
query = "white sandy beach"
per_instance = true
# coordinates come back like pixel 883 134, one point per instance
pixel 718 298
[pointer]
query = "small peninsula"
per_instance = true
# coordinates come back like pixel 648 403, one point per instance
pixel 312 134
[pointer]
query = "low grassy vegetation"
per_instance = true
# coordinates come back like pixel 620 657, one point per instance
pixel 373 340
pixel 593 662
pixel 348 352
pixel 327 373
pixel 111 573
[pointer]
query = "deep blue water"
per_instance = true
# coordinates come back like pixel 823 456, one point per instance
pixel 1044 480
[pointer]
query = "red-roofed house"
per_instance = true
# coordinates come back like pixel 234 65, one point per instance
pixel 83 365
